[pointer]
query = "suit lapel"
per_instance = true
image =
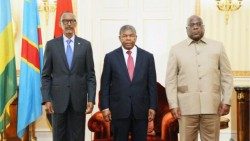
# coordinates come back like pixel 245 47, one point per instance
pixel 77 45
pixel 122 62
pixel 138 63
pixel 62 51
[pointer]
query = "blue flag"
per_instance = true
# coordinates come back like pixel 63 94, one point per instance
pixel 29 98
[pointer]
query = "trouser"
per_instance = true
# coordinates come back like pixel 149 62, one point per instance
pixel 208 125
pixel 68 126
pixel 122 127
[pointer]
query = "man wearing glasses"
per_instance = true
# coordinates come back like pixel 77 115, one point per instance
pixel 68 82
pixel 199 84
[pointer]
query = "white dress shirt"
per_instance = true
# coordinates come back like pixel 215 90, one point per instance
pixel 71 43
pixel 133 54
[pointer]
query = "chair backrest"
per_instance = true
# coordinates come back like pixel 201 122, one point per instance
pixel 102 129
pixel 162 109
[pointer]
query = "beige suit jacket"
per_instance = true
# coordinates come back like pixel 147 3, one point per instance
pixel 198 77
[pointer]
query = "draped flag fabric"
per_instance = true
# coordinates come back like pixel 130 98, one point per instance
pixel 8 83
pixel 62 6
pixel 30 99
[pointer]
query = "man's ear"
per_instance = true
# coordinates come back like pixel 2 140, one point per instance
pixel 60 24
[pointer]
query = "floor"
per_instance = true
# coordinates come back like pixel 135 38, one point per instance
pixel 47 136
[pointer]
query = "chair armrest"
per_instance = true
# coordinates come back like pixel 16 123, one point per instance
pixel 169 127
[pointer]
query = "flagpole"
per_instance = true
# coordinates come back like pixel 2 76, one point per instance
pixel 4 127
pixel 32 132
pixel 1 136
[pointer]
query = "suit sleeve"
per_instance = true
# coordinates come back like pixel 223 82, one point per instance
pixel 226 77
pixel 91 79
pixel 152 83
pixel 105 84
pixel 46 74
pixel 171 80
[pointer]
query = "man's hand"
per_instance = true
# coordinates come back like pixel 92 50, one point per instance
pixel 49 108
pixel 89 108
pixel 223 109
pixel 151 115
pixel 176 112
pixel 106 115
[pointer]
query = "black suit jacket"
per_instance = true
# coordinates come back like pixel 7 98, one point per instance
pixel 121 95
pixel 60 84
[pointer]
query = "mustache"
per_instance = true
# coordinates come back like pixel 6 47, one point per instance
pixel 69 28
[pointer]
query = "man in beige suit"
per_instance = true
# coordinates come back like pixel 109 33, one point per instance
pixel 199 84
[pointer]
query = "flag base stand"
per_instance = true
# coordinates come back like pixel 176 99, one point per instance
pixel 32 132
pixel 10 133
pixel 2 138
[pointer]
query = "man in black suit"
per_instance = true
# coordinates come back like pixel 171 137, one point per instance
pixel 68 82
pixel 128 88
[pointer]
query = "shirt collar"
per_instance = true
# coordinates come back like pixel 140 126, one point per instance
pixel 66 38
pixel 133 50
pixel 191 41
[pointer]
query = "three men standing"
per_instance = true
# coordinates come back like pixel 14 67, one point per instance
pixel 198 74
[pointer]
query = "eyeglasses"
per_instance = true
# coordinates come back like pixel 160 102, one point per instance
pixel 67 21
pixel 199 24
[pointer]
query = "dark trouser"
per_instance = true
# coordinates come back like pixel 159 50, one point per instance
pixel 68 126
pixel 122 127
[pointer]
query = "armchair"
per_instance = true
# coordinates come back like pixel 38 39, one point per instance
pixel 164 127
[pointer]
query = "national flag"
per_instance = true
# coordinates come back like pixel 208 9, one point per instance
pixel 61 6
pixel 30 99
pixel 8 83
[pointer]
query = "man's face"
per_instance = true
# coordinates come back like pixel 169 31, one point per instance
pixel 68 24
pixel 195 28
pixel 128 39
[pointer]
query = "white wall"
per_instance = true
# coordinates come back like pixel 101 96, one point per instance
pixel 158 23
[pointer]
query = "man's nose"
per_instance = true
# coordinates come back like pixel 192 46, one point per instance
pixel 128 38
pixel 195 27
pixel 69 23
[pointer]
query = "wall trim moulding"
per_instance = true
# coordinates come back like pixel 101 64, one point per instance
pixel 241 73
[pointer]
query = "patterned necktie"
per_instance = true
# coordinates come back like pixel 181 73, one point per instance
pixel 69 53
pixel 130 65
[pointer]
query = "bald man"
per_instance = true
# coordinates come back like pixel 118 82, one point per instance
pixel 199 84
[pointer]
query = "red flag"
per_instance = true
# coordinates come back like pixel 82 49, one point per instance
pixel 62 6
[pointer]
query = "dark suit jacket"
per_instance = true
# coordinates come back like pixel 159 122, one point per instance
pixel 121 95
pixel 61 83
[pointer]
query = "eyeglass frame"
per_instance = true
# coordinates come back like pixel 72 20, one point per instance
pixel 67 21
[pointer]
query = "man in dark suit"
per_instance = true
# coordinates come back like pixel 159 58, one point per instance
pixel 128 88
pixel 68 82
